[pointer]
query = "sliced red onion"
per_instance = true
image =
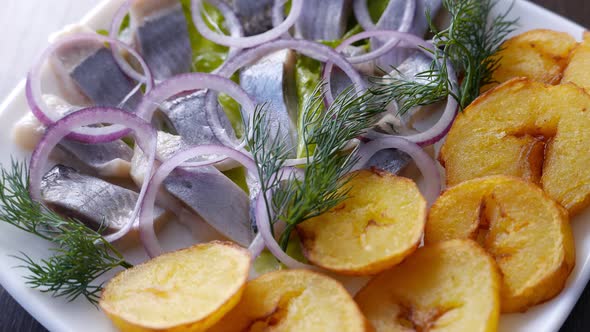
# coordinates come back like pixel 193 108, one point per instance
pixel 246 42
pixel 363 17
pixel 425 163
pixel 308 48
pixel 145 137
pixel 232 21
pixel 197 81
pixel 146 222
pixel 441 128
pixel 48 116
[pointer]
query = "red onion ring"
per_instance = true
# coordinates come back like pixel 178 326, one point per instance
pixel 245 42
pixel 47 116
pixel 441 128
pixel 361 12
pixel 146 221
pixel 232 21
pixel 308 48
pixel 263 222
pixel 197 81
pixel 145 137
pixel 425 163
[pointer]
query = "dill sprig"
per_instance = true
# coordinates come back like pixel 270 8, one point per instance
pixel 80 255
pixel 326 135
pixel 469 44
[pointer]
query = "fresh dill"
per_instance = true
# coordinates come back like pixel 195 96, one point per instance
pixel 468 44
pixel 80 254
pixel 326 135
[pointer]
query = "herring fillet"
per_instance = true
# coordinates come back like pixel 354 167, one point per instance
pixel 105 159
pixel 270 81
pixel 391 20
pixel 323 19
pixel 254 15
pixel 98 77
pixel 162 37
pixel 204 190
pixel 188 115
pixel 95 202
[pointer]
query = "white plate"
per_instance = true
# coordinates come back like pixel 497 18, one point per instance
pixel 60 315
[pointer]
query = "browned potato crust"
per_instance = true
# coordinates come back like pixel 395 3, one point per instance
pixel 526 129
pixel 540 55
pixel 448 286
pixel 379 225
pixel 526 232
pixel 185 290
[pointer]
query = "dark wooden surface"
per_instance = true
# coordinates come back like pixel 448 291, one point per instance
pixel 14 318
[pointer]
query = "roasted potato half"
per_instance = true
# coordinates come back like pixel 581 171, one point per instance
pixel 377 226
pixel 579 65
pixel 185 290
pixel 449 286
pixel 294 300
pixel 526 129
pixel 541 55
pixel 525 231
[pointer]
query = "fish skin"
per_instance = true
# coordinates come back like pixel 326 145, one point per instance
pixel 391 20
pixel 104 160
pixel 188 115
pixel 327 20
pixel 99 78
pixel 162 37
pixel 89 199
pixel 391 160
pixel 255 15
pixel 270 81
pixel 218 200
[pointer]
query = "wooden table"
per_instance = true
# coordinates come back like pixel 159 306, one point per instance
pixel 21 42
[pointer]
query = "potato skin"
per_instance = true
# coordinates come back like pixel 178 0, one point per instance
pixel 526 232
pixel 541 55
pixel 447 286
pixel 505 122
pixel 147 297
pixel 294 300
pixel 376 227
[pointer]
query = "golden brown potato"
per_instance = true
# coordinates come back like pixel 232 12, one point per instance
pixel 579 65
pixel 185 290
pixel 377 226
pixel 540 55
pixel 526 232
pixel 449 286
pixel 516 128
pixel 294 300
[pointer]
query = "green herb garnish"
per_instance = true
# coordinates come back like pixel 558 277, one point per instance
pixel 80 254
pixel 469 44
pixel 326 134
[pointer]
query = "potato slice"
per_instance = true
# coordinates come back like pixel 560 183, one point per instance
pixel 525 128
pixel 449 286
pixel 379 225
pixel 579 65
pixel 527 233
pixel 294 300
pixel 185 290
pixel 540 55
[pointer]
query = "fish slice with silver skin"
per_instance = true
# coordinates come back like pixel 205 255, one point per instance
pixel 161 35
pixel 89 70
pixel 324 19
pixel 271 81
pixel 205 190
pixel 393 19
pixel 393 160
pixel 104 159
pixel 254 15
pixel 97 203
